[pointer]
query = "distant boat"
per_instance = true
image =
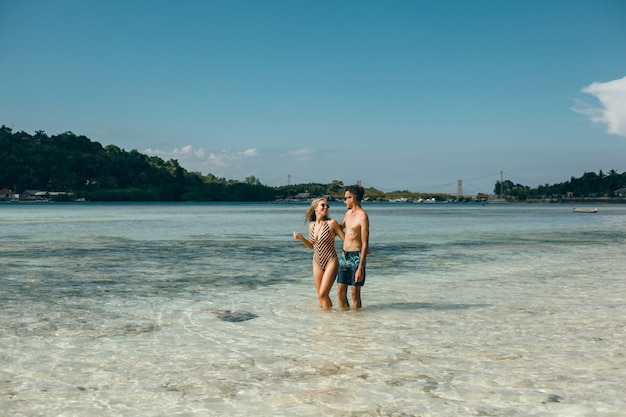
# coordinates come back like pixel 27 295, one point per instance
pixel 585 210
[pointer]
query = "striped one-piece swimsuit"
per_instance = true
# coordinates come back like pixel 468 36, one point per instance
pixel 323 246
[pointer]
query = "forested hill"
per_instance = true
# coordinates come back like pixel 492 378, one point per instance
pixel 589 185
pixel 75 165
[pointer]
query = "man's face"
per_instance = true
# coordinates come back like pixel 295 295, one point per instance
pixel 348 199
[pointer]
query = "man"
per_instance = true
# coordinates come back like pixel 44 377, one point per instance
pixel 355 248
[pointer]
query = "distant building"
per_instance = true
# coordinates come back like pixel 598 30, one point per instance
pixel 31 195
pixel 621 192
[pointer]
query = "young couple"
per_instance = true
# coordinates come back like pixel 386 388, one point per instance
pixel 349 269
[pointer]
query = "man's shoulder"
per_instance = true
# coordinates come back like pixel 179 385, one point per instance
pixel 356 216
pixel 361 213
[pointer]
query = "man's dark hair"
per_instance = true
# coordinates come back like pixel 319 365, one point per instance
pixel 357 190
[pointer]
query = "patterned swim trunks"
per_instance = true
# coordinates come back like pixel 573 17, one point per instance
pixel 348 264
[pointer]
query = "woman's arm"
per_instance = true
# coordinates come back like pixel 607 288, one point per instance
pixel 306 242
pixel 336 227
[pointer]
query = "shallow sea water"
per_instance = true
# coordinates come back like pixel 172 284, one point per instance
pixel 210 310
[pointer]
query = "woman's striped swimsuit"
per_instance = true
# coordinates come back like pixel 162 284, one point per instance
pixel 324 246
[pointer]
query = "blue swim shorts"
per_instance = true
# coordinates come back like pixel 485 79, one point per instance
pixel 348 264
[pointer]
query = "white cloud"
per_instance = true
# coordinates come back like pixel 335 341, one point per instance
pixel 225 157
pixel 303 154
pixel 100 133
pixel 189 150
pixel 198 161
pixel 183 153
pixel 612 97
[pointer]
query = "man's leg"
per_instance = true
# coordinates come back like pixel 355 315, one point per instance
pixel 342 296
pixel 356 296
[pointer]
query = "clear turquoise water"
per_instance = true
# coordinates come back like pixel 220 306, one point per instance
pixel 495 310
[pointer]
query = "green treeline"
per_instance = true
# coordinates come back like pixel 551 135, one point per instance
pixel 590 185
pixel 81 168
pixel 74 167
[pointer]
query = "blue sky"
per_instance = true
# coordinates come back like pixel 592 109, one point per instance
pixel 397 94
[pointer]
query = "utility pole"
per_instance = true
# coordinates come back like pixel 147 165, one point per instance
pixel 288 185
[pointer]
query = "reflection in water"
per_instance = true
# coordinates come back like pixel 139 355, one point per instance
pixel 429 306
pixel 151 310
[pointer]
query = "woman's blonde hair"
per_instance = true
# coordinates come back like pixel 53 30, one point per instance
pixel 310 213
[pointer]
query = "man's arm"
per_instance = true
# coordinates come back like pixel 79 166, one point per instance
pixel 365 238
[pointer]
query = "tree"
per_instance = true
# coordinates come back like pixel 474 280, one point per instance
pixel 252 180
pixel 335 187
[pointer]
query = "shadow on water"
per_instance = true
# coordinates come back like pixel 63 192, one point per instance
pixel 425 306
pixel 234 316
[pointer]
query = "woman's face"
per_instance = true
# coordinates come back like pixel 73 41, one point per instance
pixel 322 208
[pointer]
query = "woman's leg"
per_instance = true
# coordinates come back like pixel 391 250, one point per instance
pixel 318 274
pixel 328 279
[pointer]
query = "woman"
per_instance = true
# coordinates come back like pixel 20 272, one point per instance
pixel 322 232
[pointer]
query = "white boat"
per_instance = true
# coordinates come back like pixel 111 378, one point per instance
pixel 585 210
